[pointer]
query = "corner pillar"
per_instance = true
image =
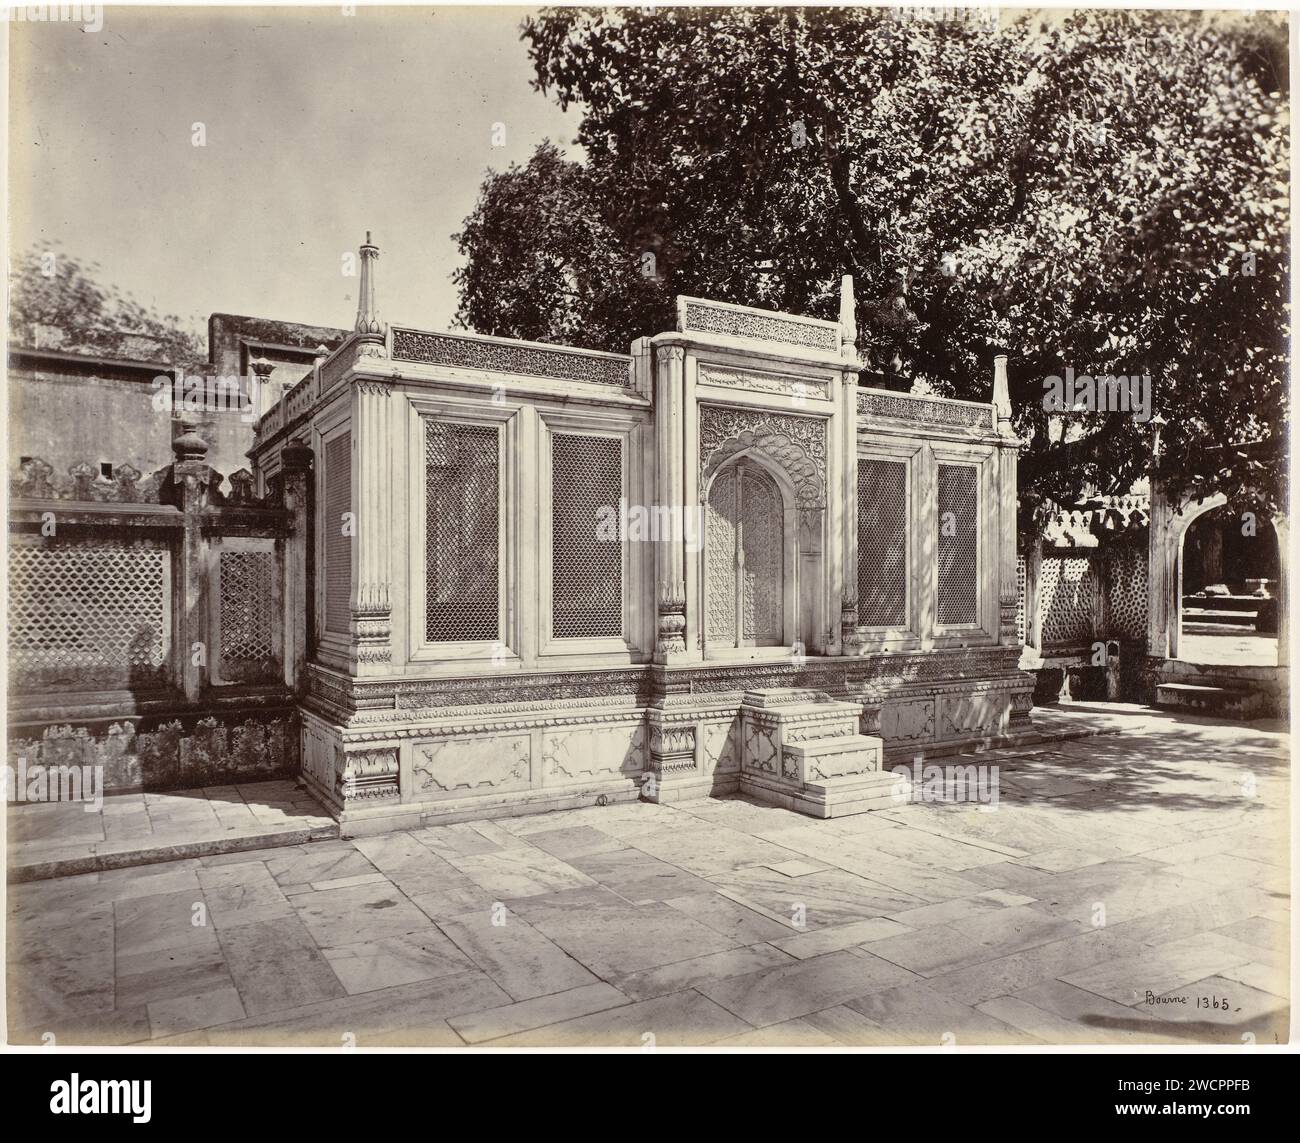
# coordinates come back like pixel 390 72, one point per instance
pixel 193 480
pixel 371 622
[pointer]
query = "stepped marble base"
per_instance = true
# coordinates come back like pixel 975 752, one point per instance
pixel 801 750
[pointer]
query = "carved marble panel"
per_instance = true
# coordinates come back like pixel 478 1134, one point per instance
pixel 977 714
pixel 510 357
pixel 800 388
pixel 721 746
pixel 796 444
pixel 578 754
pixel 822 768
pixel 760 747
pixel 907 721
pixel 462 766
pixel 924 411
pixel 758 325
pixel 318 750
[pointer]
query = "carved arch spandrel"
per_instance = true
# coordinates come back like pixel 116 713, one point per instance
pixel 797 445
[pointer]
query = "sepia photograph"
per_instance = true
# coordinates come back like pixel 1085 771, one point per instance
pixel 697 529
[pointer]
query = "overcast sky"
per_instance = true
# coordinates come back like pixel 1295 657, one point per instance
pixel 318 126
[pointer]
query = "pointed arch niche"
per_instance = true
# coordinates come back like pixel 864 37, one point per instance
pixel 762 486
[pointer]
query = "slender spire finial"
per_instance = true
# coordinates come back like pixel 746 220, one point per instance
pixel 368 323
pixel 1001 392
pixel 848 316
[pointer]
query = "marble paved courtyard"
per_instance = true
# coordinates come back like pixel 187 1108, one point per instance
pixel 1128 888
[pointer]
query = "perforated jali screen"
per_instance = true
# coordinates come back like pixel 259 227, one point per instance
pixel 586 561
pixel 247 614
pixel 957 546
pixel 87 614
pixel 882 543
pixel 462 537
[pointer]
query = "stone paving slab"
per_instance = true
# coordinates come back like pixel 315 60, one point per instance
pixel 59 839
pixel 1129 888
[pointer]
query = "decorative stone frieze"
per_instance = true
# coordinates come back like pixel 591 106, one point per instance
pixel 789 385
pixel 36 480
pixel 923 411
pixel 497 356
pixel 698 316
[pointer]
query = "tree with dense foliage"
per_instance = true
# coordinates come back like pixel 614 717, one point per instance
pixel 60 301
pixel 1104 191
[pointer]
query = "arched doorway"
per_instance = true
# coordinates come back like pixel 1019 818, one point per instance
pixel 745 559
pixel 1228 589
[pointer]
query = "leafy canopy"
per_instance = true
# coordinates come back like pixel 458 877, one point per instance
pixel 1102 190
pixel 60 301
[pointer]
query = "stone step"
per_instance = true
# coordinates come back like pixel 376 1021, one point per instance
pixel 1205 615
pixel 1227 702
pixel 801 749
pixel 1226 602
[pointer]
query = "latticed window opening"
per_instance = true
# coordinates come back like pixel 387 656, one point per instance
pixel 1126 591
pixel 958 551
pixel 1066 598
pixel 586 563
pixel 247 614
pixel 882 543
pixel 338 538
pixel 744 559
pixel 84 613
pixel 462 532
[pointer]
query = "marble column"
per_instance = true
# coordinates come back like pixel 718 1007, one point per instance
pixel 1162 573
pixel 850 642
pixel 371 623
pixel 670 494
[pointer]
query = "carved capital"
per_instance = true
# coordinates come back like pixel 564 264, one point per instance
pixel 672 747
pixel 368 775
pixel 672 618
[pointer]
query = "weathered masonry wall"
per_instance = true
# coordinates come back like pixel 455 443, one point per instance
pixel 152 622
